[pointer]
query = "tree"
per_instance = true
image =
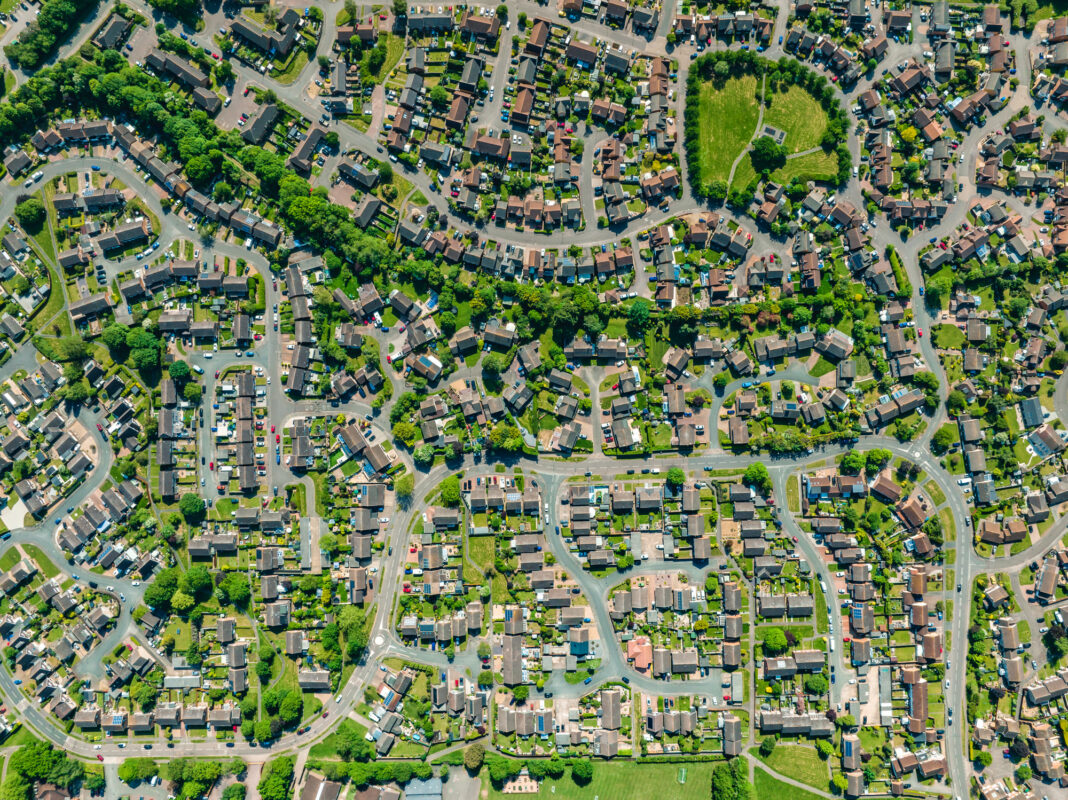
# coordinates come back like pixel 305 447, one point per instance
pixel 179 371
pixel 521 692
pixel 134 770
pixel 852 463
pixel 275 779
pixel 839 783
pixel 942 440
pixel 956 402
pixel 484 649
pixel 439 96
pixel 766 154
pixel 193 392
pixel 235 587
pixel 400 8
pixel 983 759
pixel 638 317
pixel 474 755
pixel 676 477
pixel 846 721
pixel 485 679
pixel 450 491
pixel 192 507
pixel 502 12
pixel 182 602
pixel 423 456
pixel 816 684
pixel 824 749
pixel 876 459
pixel 406 432
pixel 114 336
pixel 581 771
pixel 1023 773
pixel 235 791
pixel 291 708
pixel 143 694
pixel 774 640
pixel 31 214
pixel 405 486
pixel 767 746
pixel 158 594
pixel 756 474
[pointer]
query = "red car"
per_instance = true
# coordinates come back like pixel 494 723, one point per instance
pixel 920 332
pixel 99 757
pixel 272 429
pixel 246 90
pixel 216 373
pixel 100 427
pixel 277 438
pixel 211 466
pixel 326 714
pixel 407 588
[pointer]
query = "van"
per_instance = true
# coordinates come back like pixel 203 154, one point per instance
pixel 832 644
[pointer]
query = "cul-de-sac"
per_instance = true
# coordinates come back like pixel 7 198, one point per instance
pixel 560 399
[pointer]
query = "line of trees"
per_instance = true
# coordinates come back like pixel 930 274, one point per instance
pixel 42 35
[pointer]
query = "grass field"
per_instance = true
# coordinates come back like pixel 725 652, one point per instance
pixel 625 781
pixel 818 166
pixel 767 786
pixel 44 562
pixel 800 115
pixel 728 118
pixel 800 763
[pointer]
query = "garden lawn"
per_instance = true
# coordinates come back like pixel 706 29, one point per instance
pixel 800 115
pixel 728 118
pixel 480 552
pixel 948 337
pixel 798 762
pixel 624 781
pixel 767 786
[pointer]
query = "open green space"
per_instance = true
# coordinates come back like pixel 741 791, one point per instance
pixel 728 116
pixel 798 762
pixel 768 786
pixel 622 780
pixel 799 114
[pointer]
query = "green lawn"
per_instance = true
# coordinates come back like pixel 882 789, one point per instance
pixel 9 559
pixel 793 494
pixel 767 786
pixel 44 562
pixel 728 118
pixel 948 337
pixel 480 551
pixel 799 114
pixel 327 748
pixel 798 762
pixel 623 780
pixel 818 166
pixel 821 367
